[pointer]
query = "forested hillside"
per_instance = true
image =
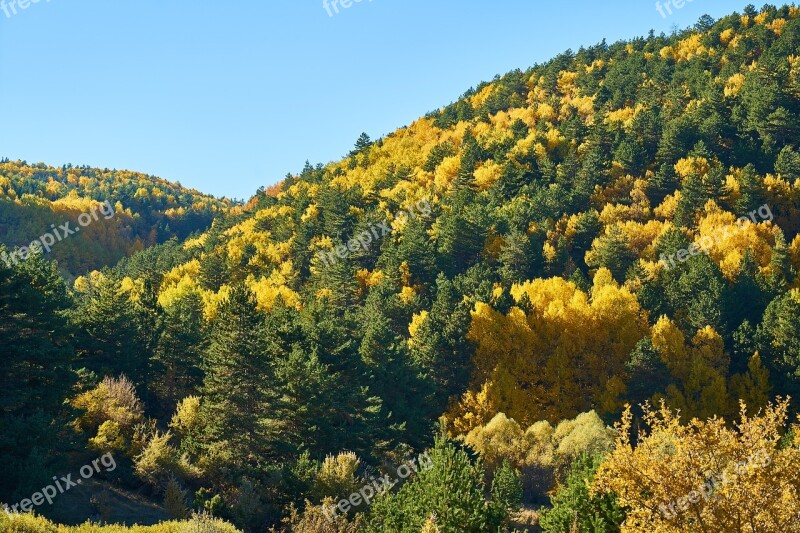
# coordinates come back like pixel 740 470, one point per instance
pixel 575 289
pixel 146 211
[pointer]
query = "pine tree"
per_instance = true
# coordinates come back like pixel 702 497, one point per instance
pixel 750 195
pixel 515 258
pixel 450 486
pixel 109 341
pixel 175 366
pixel 362 144
pixel 440 346
pixel 239 389
pixel 36 350
pixel 405 395
pixel 174 500
pixel 507 487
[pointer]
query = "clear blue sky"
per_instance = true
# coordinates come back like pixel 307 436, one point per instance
pixel 226 96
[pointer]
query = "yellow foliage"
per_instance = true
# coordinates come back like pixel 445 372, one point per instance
pixel 446 172
pixel 734 85
pixel 666 210
pixel 726 36
pixel 554 362
pixel 689 166
pixel 337 475
pixel 311 212
pixel 407 294
pixel 187 415
pixel 367 279
pixel 777 26
pixel 416 322
pixel 725 239
pixel 690 47
pixel 29 523
pixel 486 174
pixel 539 446
pixel 545 112
pixel 268 290
pixel 624 116
pixel 705 475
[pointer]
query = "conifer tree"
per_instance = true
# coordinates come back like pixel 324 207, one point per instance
pixel 239 390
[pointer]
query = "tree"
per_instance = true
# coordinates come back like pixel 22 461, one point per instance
pixel 576 508
pixel 451 487
pixel 239 390
pixel 750 195
pixel 175 366
pixel 705 475
pixel 507 488
pixel 362 144
pixel 439 344
pixel 612 251
pixel 36 374
pixel 108 339
pixel 515 258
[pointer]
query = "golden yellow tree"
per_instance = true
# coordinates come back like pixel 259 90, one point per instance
pixel 705 475
pixel 563 356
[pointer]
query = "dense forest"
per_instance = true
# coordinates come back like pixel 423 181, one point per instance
pixel 566 302
pixel 146 211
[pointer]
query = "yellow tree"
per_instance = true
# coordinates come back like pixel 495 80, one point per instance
pixel 705 475
pixel 699 369
pixel 558 353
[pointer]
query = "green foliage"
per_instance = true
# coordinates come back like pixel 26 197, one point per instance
pixel 507 487
pixel 576 509
pixel 452 488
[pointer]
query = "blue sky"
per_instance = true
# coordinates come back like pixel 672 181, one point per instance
pixel 226 96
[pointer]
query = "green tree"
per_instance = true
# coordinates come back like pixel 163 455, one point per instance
pixel 576 509
pixel 507 487
pixel 451 487
pixel 239 389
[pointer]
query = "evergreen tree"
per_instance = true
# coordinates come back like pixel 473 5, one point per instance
pixel 507 488
pixel 384 350
pixel 239 389
pixel 451 487
pixel 515 258
pixel 750 195
pixel 175 366
pixel 575 508
pixel 441 347
pixel 109 340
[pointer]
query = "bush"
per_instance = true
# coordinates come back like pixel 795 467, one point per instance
pixel 314 520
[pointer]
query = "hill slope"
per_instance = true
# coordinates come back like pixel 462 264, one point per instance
pixel 146 211
pixel 618 225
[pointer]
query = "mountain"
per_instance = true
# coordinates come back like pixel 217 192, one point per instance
pixel 492 285
pixel 141 211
